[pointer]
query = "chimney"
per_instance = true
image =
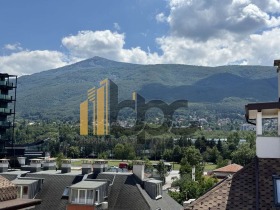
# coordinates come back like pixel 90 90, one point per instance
pixel 86 167
pixel 100 166
pixel 4 164
pixel 21 160
pixel 65 166
pixel 35 165
pixel 138 169
pixel 49 164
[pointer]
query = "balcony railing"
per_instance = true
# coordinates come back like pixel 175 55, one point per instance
pixel 6 83
pixel 6 110
pixel 5 124
pixel 6 97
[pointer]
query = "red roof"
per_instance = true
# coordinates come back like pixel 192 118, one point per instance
pixel 233 168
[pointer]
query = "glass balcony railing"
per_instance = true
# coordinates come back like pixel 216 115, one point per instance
pixel 6 110
pixel 6 97
pixel 6 83
pixel 5 123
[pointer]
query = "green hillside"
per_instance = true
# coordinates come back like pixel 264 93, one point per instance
pixel 57 93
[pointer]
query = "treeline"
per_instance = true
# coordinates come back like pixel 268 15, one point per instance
pixel 64 138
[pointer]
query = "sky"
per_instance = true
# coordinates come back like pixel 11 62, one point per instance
pixel 37 35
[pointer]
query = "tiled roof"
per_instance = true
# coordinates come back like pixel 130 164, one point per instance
pixel 232 168
pixel 249 188
pixel 126 193
pixel 8 190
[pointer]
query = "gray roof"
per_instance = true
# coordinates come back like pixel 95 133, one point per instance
pixel 23 181
pixel 52 190
pixel 88 184
pixel 126 193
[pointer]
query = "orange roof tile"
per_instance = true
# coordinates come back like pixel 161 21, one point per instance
pixel 8 190
pixel 233 168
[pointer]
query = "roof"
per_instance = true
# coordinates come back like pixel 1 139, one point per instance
pixel 52 190
pixel 126 193
pixel 232 168
pixel 23 181
pixel 249 188
pixel 88 184
pixel 8 190
pixel 8 196
pixel 19 203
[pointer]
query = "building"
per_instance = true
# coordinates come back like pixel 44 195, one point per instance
pixel 11 196
pixel 8 85
pixel 256 186
pixel 226 170
pixel 90 188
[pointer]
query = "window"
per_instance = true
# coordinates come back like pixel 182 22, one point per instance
pixel 83 196
pixel 276 183
pixel 158 191
pixel 97 196
pixel 74 196
pixel 22 191
pixel 19 193
pixel 90 197
pixel 25 190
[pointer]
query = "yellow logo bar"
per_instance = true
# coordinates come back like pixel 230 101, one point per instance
pixel 100 98
pixel 84 118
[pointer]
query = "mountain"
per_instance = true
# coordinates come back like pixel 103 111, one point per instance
pixel 57 93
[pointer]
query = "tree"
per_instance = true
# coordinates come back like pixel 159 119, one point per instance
pixel 161 170
pixel 192 155
pixel 191 158
pixel 221 162
pixel 177 153
pixel 192 189
pixel 243 155
pixel 119 151
pixel 73 151
pixel 168 155
pixel 211 154
pixel 59 158
pixel 220 146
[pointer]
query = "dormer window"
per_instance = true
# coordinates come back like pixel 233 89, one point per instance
pixel 88 192
pixel 22 192
pixel 82 196
pixel 276 184
pixel 154 188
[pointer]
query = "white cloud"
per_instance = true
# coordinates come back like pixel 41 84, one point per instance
pixel 161 17
pixel 29 62
pixel 107 44
pixel 202 20
pixel 117 26
pixel 87 44
pixel 13 47
pixel 202 32
pixel 256 49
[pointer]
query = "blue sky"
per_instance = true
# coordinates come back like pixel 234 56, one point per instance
pixel 37 35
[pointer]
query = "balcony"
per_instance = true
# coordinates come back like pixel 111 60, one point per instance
pixel 5 111
pixel 6 97
pixel 5 124
pixel 7 84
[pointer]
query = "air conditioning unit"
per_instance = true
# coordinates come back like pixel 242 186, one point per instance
pixel 104 205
